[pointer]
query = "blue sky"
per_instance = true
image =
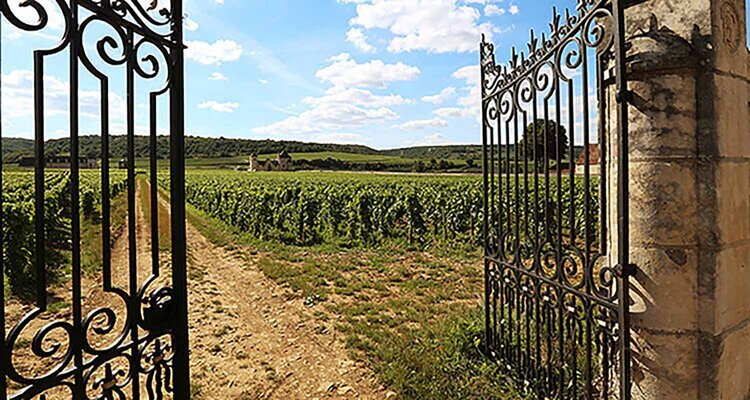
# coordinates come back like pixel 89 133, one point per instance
pixel 384 73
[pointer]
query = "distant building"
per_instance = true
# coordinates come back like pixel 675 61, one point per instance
pixel 60 162
pixel 283 162
pixel 594 160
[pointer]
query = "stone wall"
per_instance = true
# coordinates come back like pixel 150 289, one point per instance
pixel 690 198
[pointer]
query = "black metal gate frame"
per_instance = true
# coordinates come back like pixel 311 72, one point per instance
pixel 154 340
pixel 555 320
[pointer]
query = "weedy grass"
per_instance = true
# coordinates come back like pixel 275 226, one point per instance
pixel 413 316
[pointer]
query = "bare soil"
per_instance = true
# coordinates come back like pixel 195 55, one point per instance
pixel 249 337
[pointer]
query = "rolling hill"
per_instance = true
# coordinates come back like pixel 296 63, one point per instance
pixel 195 147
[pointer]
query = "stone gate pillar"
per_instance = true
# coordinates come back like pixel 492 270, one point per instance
pixel 690 199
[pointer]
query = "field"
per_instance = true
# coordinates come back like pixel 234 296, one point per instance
pixel 387 267
pixel 405 301
pixel 323 161
pixel 18 224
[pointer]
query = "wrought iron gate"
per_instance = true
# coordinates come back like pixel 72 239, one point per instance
pixel 557 312
pixel 125 332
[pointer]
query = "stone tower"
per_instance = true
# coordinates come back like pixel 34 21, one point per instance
pixel 285 161
pixel 254 165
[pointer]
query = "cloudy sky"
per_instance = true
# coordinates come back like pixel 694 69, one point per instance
pixel 385 73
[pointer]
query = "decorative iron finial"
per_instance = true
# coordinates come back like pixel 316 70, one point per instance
pixel 533 43
pixel 555 24
pixel 581 7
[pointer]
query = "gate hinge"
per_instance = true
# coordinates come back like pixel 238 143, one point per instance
pixel 630 271
pixel 624 96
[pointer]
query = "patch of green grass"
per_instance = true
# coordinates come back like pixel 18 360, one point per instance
pixel 442 360
pixel 56 307
pixel 91 233
pixel 163 218
pixel 411 315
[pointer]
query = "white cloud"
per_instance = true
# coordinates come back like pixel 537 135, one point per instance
pixel 263 81
pixel 218 76
pixel 191 25
pixel 347 104
pixel 55 17
pixel 469 73
pixel 470 103
pixel 514 9
pixel 18 98
pixel 344 71
pixel 360 97
pixel 437 26
pixel 226 107
pixel 452 112
pixel 441 97
pixel 420 124
pixel 492 9
pixel 359 40
pixel 328 117
pixel 213 53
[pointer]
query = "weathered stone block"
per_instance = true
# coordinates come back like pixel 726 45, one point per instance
pixel 732 125
pixel 663 203
pixel 732 202
pixel 665 289
pixel 662 120
pixel 732 296
pixel 665 365
pixel 734 365
pixel 679 16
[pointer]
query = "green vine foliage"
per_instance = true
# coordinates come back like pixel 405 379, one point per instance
pixel 18 222
pixel 309 208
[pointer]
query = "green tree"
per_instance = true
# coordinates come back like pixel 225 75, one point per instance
pixel 548 134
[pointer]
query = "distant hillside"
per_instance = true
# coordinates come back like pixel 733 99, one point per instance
pixel 462 152
pixel 195 147
pixel 223 148
pixel 452 152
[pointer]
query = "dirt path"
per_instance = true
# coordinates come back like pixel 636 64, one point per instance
pixel 251 339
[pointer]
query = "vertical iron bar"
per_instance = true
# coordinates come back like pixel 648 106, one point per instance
pixel 572 162
pixel 623 197
pixel 75 218
pixel 106 192
pixel 40 245
pixel 537 367
pixel 588 269
pixel 132 243
pixel 154 189
pixel 485 208
pixel 503 221
pixel 179 251
pixel 558 257
pixel 603 195
pixel 547 210
pixel 4 358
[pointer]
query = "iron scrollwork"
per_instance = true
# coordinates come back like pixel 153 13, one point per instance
pixel 124 349
pixel 553 309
